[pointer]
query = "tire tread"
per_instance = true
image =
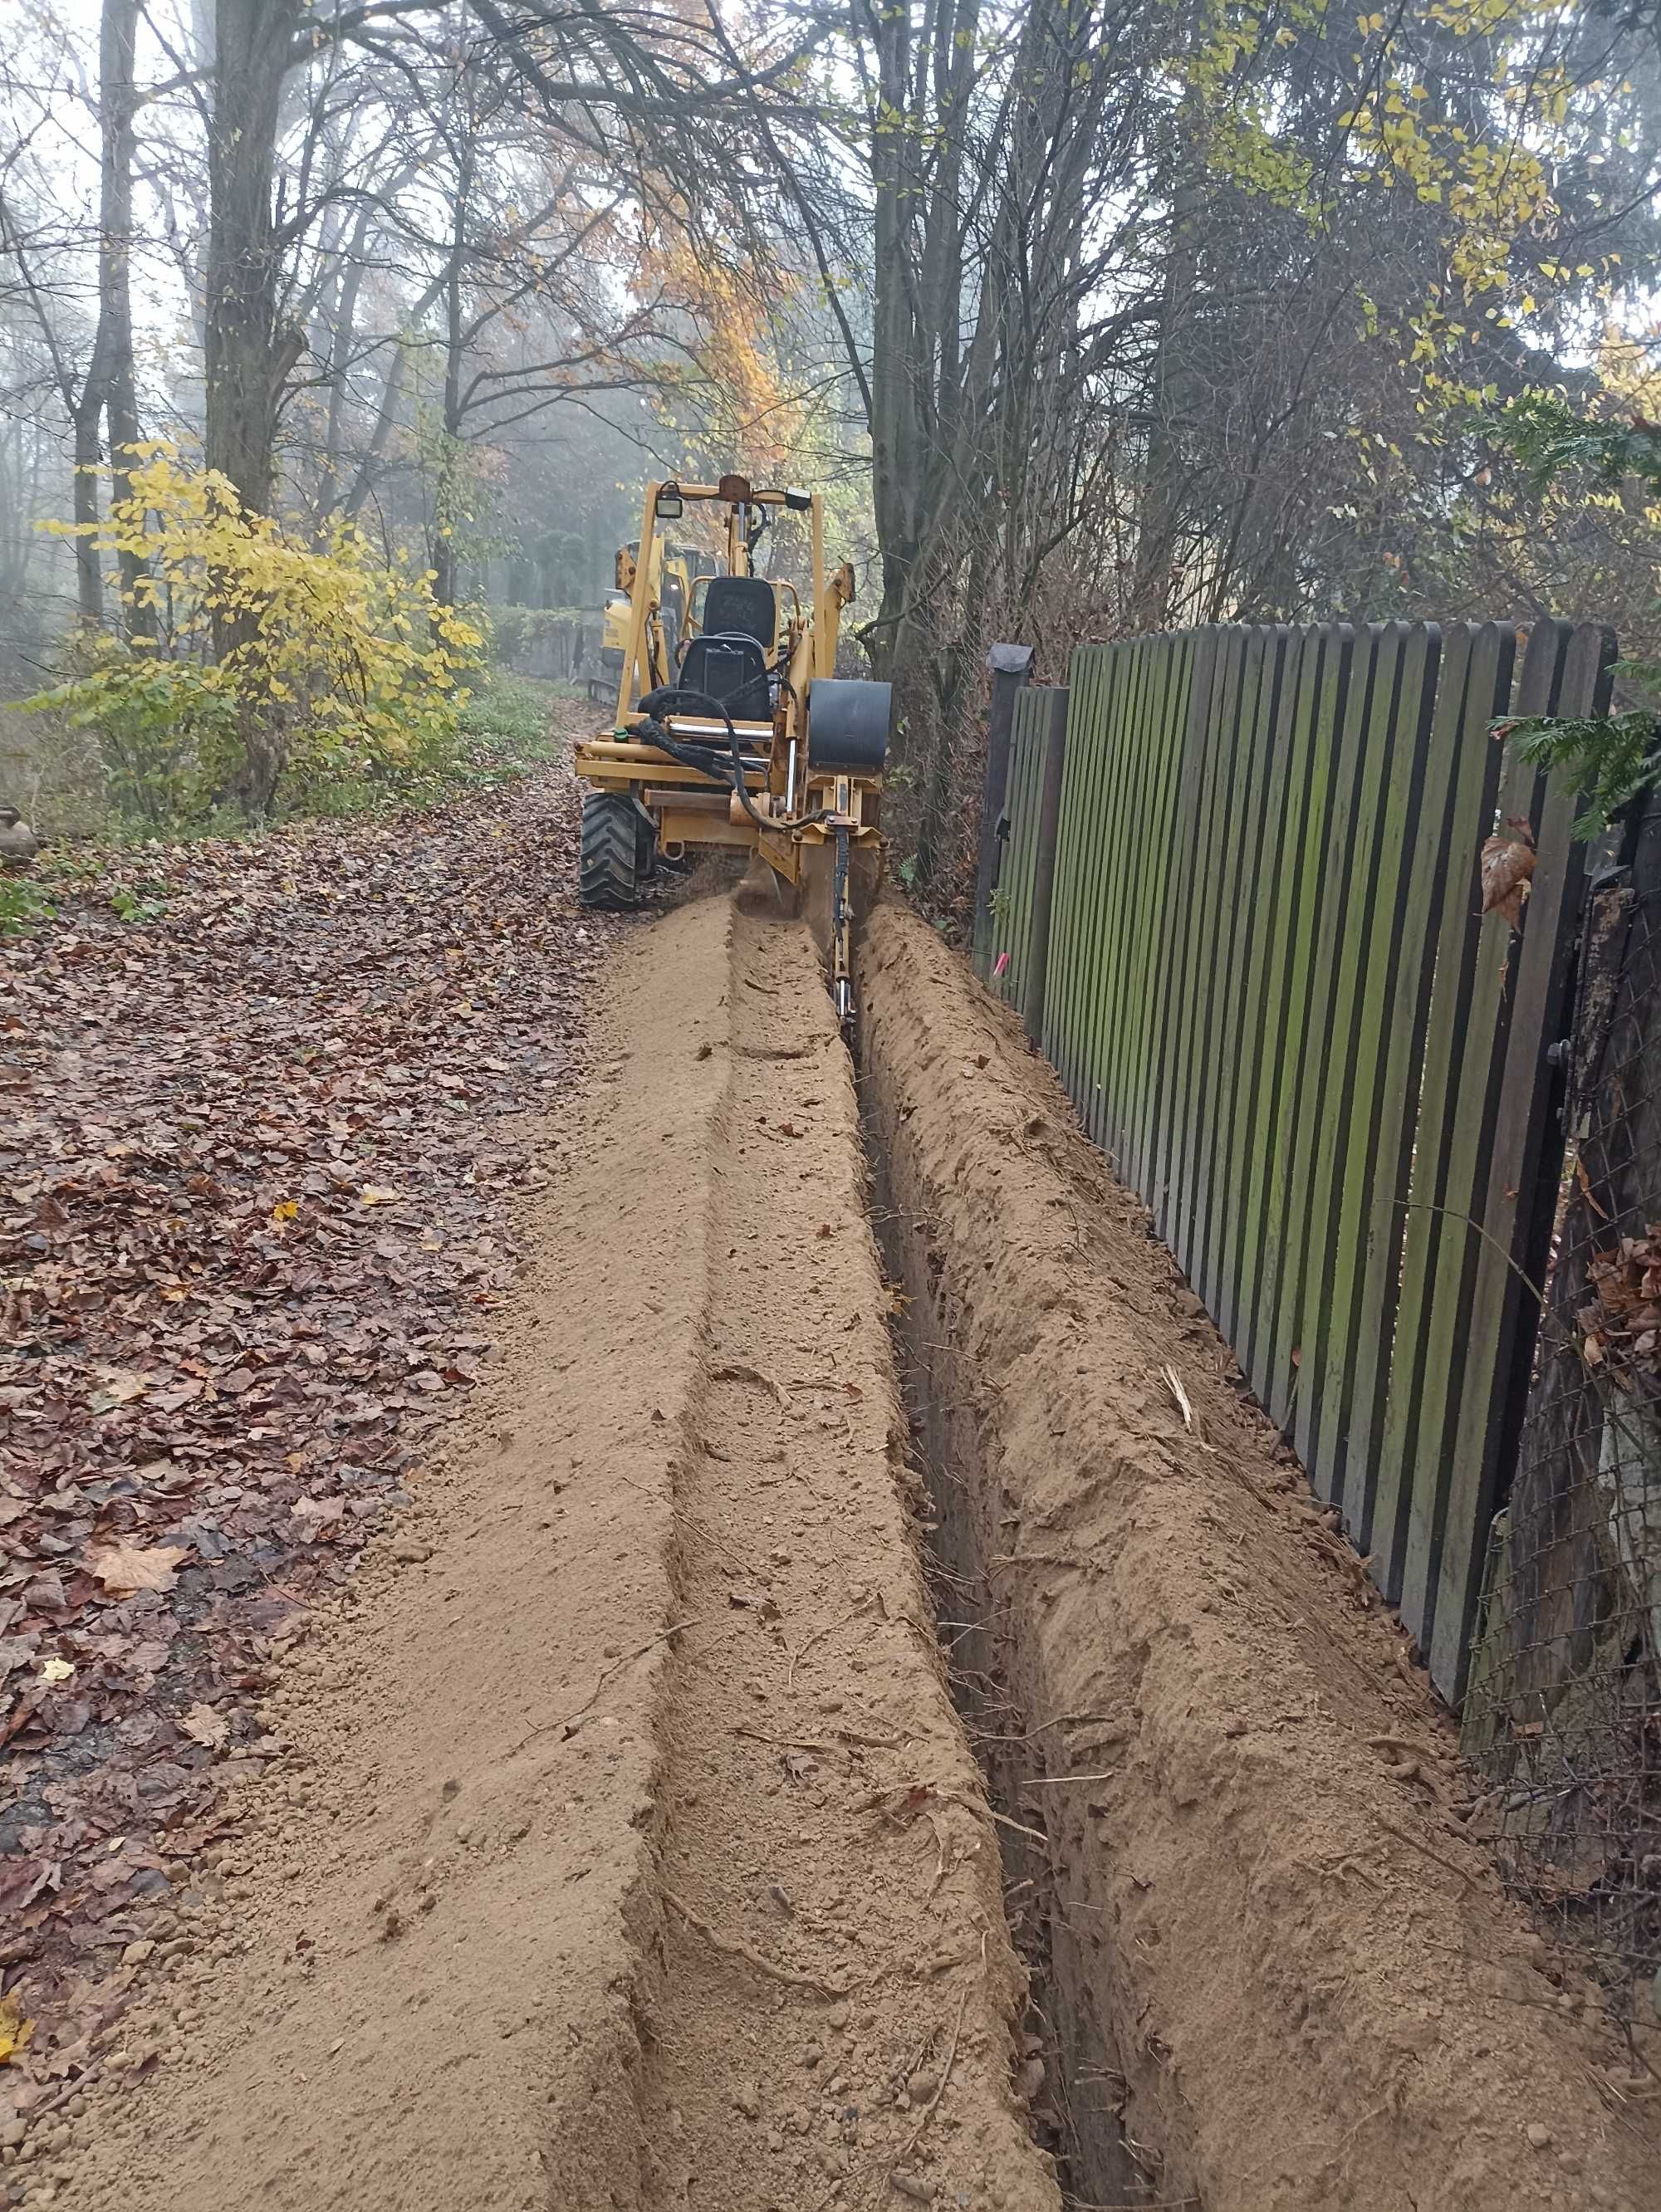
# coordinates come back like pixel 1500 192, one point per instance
pixel 607 877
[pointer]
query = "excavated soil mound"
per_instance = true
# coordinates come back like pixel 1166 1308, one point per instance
pixel 1266 1917
pixel 626 1850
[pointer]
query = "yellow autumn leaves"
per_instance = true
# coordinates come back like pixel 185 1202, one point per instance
pixel 352 651
pixel 1490 179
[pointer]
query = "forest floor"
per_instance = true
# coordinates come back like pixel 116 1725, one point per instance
pixel 486 1533
pixel 262 1132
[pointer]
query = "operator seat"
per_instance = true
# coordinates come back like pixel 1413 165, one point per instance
pixel 729 657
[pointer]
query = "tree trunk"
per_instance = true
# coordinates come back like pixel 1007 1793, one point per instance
pixel 88 573
pixel 450 473
pixel 248 358
pixel 1160 515
pixel 118 104
pixel 896 458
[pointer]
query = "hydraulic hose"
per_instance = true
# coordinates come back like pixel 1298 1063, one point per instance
pixel 672 697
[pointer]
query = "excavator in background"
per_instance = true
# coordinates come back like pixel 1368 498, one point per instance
pixel 744 738
pixel 672 576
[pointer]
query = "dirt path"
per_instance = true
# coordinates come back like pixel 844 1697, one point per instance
pixel 627 1852
pixel 262 1131
pixel 821 1804
pixel 611 1844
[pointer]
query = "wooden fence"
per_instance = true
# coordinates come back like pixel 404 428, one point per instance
pixel 1263 973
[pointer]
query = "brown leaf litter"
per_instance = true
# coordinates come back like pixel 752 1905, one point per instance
pixel 257 1155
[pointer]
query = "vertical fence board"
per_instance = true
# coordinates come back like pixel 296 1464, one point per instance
pixel 1219 1035
pixel 1010 934
pixel 1087 866
pixel 1248 927
pixel 1231 784
pixel 1122 856
pixel 1173 950
pixel 1357 949
pixel 1401 734
pixel 1142 737
pixel 1199 970
pixel 1314 760
pixel 1572 671
pixel 1310 1041
pixel 1131 859
pixel 1283 793
pixel 1075 837
pixel 1170 711
pixel 1047 835
pixel 1302 827
pixel 1469 660
pixel 1454 990
pixel 1092 881
pixel 1463 1317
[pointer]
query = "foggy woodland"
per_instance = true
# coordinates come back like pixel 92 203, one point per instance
pixel 1088 317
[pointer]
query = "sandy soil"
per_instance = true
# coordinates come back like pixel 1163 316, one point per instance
pixel 627 1852
pixel 1297 1959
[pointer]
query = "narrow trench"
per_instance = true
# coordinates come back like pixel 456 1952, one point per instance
pixel 794 2009
pixel 1069 2068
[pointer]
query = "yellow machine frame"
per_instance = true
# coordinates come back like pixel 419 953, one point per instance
pixel 794 806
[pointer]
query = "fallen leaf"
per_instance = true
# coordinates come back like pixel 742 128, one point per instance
pixel 56 1670
pixel 1507 868
pixel 1585 1181
pixel 116 1386
pixel 152 1263
pixel 15 2031
pixel 124 1566
pixel 205 1726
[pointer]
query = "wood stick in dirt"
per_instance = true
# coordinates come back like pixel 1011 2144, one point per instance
pixel 1052 1781
pixel 818 1636
pixel 734 1946
pixel 675 1628
pixel 940 2087
pixel 1436 1856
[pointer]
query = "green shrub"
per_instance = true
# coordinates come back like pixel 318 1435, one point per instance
pixel 22 905
pixel 165 731
pixel 514 632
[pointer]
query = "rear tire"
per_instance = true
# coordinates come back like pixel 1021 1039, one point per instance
pixel 611 863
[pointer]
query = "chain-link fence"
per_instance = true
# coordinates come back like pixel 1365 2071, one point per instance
pixel 1563 1711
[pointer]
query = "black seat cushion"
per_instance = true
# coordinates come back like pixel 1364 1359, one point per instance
pixel 745 606
pixel 731 668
